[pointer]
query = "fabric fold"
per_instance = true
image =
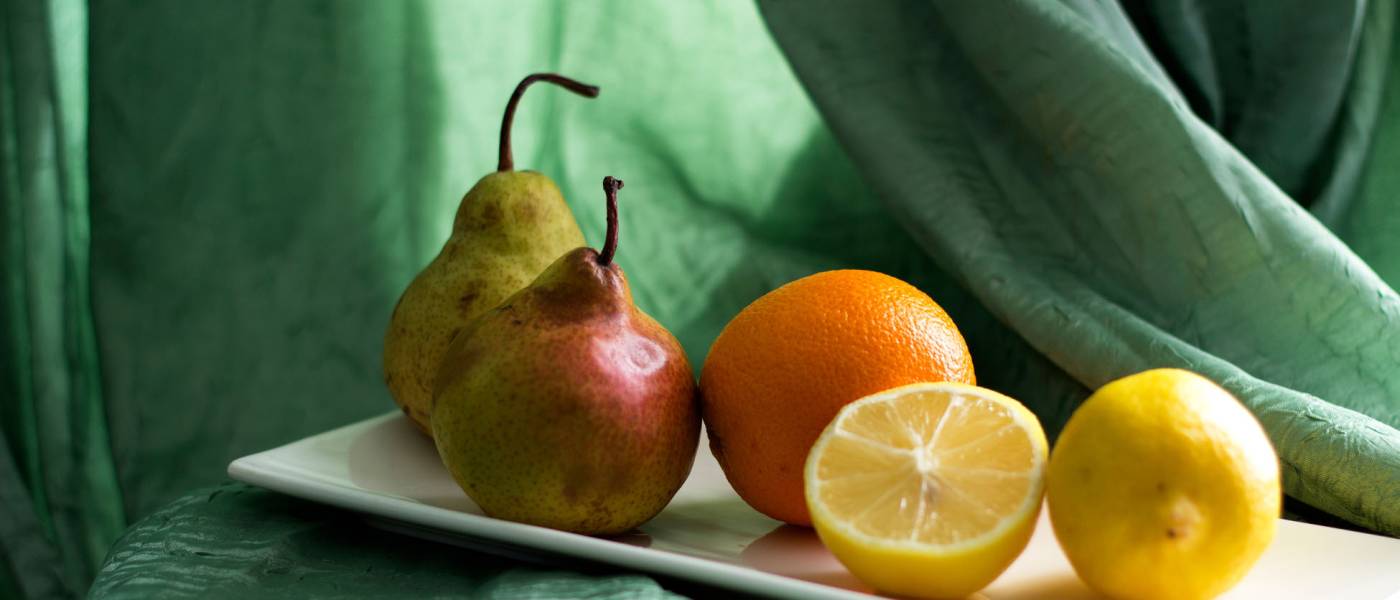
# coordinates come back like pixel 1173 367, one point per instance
pixel 62 507
pixel 1051 169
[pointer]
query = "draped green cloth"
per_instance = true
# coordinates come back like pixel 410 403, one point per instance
pixel 209 210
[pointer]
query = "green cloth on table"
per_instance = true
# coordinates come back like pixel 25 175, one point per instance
pixel 237 541
pixel 210 209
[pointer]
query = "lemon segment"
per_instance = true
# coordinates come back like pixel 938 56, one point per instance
pixel 928 490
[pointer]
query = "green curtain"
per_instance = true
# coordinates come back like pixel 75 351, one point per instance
pixel 60 508
pixel 1090 188
pixel 1043 154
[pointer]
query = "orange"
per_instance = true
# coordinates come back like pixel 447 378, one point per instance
pixel 786 364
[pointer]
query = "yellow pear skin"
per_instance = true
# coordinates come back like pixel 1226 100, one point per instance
pixel 508 228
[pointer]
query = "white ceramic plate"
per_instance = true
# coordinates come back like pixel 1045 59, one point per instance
pixel 384 468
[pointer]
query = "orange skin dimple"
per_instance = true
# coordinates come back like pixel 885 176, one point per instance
pixel 783 368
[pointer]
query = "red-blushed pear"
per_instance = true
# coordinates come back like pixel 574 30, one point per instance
pixel 567 406
pixel 508 228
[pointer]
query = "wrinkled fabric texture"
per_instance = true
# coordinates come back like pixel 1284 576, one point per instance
pixel 304 550
pixel 1046 159
pixel 209 211
pixel 60 507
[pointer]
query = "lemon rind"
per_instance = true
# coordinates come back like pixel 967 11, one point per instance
pixel 1022 417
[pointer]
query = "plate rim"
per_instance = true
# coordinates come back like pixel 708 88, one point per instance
pixel 260 470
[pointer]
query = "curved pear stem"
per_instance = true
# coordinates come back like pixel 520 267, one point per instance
pixel 610 187
pixel 506 162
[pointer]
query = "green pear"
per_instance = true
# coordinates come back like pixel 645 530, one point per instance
pixel 508 228
pixel 567 406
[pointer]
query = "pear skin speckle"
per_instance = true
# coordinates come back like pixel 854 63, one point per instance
pixel 508 228
pixel 567 406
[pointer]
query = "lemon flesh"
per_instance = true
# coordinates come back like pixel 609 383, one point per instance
pixel 928 490
pixel 1162 485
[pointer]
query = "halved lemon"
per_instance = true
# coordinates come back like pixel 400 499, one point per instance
pixel 928 490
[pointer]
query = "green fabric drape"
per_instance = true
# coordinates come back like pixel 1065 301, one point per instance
pixel 1042 154
pixel 60 508
pixel 1089 188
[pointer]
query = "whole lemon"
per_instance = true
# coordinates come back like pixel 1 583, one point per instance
pixel 1162 485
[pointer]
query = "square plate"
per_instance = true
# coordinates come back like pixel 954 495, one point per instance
pixel 386 469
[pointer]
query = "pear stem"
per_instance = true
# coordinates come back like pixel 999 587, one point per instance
pixel 610 187
pixel 506 162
